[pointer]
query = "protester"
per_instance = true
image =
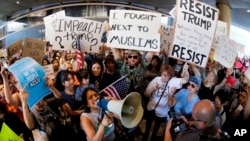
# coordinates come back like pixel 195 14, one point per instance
pixel 159 90
pixel 184 100
pixel 111 72
pixel 84 74
pixel 210 84
pixel 43 121
pixel 153 68
pixel 203 124
pixel 96 125
pixel 240 116
pixel 96 73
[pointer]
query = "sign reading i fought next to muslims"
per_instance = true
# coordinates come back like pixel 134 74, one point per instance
pixel 131 29
pixel 194 31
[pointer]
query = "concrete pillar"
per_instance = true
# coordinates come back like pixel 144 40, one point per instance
pixel 225 13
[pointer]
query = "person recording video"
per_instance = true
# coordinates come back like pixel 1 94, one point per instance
pixel 204 125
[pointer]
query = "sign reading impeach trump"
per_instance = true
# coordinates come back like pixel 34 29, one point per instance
pixel 136 30
pixel 194 31
pixel 69 31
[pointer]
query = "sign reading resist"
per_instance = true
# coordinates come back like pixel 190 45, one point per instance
pixel 194 31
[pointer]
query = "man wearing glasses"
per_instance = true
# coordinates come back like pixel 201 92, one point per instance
pixel 135 68
pixel 203 124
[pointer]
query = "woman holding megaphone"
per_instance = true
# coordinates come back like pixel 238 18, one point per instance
pixel 96 126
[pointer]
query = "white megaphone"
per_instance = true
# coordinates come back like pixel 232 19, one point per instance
pixel 129 110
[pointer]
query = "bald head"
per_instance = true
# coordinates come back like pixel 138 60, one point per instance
pixel 204 110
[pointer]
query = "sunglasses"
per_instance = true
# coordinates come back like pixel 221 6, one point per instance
pixel 134 57
pixel 191 84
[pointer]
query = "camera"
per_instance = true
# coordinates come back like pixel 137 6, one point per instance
pixel 177 124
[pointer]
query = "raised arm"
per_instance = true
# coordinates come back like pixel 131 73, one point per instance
pixel 185 74
pixel 88 128
pixel 168 136
pixel 50 84
pixel 28 119
pixel 223 82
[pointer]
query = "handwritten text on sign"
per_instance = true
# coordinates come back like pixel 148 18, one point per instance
pixel 68 29
pixel 15 47
pixel 166 37
pixel 195 28
pixel 136 30
pixel 34 48
pixel 49 22
pixel 226 51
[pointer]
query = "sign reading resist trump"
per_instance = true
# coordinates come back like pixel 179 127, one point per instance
pixel 194 31
pixel 137 30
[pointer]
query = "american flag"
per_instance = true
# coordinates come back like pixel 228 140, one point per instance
pixel 79 53
pixel 118 89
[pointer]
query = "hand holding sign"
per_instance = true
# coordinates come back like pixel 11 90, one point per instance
pixel 28 72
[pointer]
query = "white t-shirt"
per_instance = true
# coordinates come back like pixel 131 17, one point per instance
pixel 162 108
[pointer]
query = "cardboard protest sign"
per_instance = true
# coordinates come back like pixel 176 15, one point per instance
pixel 49 71
pixel 34 48
pixel 1 53
pixel 28 72
pixel 167 37
pixel 49 23
pixel 7 134
pixel 194 31
pixel 137 30
pixel 14 48
pixel 226 51
pixel 69 29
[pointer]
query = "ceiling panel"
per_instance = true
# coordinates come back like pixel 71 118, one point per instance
pixel 240 16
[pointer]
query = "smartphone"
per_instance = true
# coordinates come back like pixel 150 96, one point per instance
pixel 240 107
pixel 4 62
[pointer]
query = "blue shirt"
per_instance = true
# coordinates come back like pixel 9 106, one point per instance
pixel 183 106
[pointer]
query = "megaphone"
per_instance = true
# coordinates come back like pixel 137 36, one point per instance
pixel 129 110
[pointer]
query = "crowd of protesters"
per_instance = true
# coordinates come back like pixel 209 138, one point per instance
pixel 70 111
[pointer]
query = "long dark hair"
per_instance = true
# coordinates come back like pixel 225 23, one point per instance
pixel 85 100
pixel 60 78
pixel 158 67
pixel 92 78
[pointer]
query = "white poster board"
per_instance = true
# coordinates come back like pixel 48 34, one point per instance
pixel 49 71
pixel 49 23
pixel 194 31
pixel 67 30
pixel 137 30
pixel 226 51
pixel 221 29
pixel 167 37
